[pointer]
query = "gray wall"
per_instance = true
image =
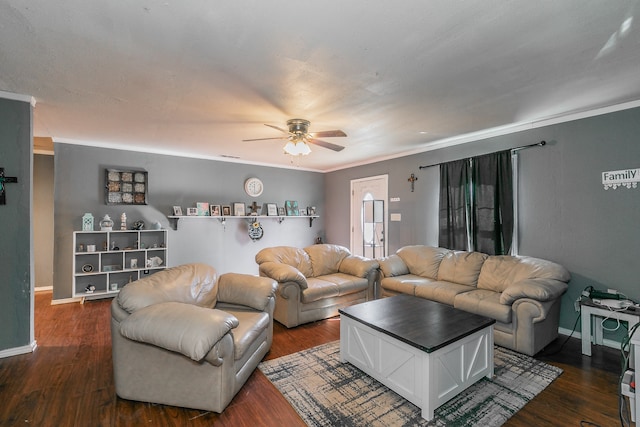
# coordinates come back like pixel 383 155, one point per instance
pixel 565 214
pixel 16 287
pixel 79 188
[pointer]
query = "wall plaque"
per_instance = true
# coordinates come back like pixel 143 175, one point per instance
pixel 125 187
pixel 628 178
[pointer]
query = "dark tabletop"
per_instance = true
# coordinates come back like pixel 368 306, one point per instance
pixel 424 324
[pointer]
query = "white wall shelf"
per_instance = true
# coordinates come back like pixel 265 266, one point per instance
pixel 248 218
pixel 120 257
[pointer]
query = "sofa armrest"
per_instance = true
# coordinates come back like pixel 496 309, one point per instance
pixel 393 265
pixel 536 289
pixel 357 266
pixel 247 290
pixel 183 328
pixel 283 273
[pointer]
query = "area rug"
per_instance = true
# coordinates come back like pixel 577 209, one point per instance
pixel 326 392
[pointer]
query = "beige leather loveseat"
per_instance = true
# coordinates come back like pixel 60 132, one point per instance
pixel 314 282
pixel 185 337
pixel 521 293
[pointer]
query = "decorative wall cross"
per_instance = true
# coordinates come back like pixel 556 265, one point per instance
pixel 255 209
pixel 412 179
pixel 4 180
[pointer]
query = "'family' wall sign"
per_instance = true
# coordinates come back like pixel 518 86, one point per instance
pixel 623 178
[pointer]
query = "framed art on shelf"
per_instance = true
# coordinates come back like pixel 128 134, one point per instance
pixel 311 210
pixel 281 211
pixel 203 208
pixel 272 209
pixel 238 209
pixel 215 210
pixel 226 210
pixel 291 206
pixel 177 210
pixel 192 211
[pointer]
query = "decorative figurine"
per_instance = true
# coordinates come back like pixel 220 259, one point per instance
pixel 106 224
pixel 123 221
pixel 87 222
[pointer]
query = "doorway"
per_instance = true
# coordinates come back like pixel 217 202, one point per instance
pixel 363 189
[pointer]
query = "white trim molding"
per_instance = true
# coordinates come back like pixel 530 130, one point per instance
pixel 19 350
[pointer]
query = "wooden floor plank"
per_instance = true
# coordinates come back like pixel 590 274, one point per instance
pixel 68 380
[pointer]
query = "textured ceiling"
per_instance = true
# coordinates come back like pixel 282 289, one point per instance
pixel 197 77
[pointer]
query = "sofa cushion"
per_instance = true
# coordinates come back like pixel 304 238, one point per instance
pixel 294 257
pixel 485 303
pixel 405 284
pixel 498 272
pixel 179 327
pixel 421 260
pixel 326 259
pixel 443 292
pixel 189 283
pixel 251 326
pixel 347 284
pixel 461 267
pixel 319 289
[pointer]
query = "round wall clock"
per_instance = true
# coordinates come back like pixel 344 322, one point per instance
pixel 253 187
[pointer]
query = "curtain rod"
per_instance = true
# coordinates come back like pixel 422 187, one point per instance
pixel 538 144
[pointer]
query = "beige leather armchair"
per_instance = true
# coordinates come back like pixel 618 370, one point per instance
pixel 185 337
pixel 315 282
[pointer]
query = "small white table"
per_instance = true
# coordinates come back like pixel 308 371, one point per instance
pixel 592 325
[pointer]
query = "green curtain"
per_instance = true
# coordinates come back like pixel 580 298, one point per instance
pixel 454 205
pixel 492 204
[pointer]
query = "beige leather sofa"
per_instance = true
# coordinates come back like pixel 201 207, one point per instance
pixel 315 282
pixel 185 337
pixel 521 293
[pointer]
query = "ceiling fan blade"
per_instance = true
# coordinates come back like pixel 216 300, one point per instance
pixel 326 144
pixel 328 134
pixel 263 139
pixel 276 127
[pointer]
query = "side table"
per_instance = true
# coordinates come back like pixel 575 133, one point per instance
pixel 592 326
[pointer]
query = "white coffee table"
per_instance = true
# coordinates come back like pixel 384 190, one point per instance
pixel 425 351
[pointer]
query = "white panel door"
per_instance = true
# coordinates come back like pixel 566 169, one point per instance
pixel 371 188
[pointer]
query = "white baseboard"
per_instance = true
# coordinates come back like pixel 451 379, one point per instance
pixel 65 301
pixel 18 350
pixel 43 288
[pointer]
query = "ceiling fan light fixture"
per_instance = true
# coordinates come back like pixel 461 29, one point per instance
pixel 298 148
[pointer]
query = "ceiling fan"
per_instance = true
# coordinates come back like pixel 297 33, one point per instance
pixel 299 137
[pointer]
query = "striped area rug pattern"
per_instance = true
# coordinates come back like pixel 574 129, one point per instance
pixel 326 392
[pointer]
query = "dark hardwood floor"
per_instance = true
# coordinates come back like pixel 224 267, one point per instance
pixel 68 380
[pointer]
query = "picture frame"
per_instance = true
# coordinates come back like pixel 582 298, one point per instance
pixel 215 210
pixel 177 210
pixel 303 212
pixel 226 210
pixel 238 209
pixel 272 209
pixel 203 208
pixel 291 207
pixel 125 187
pixel 192 211
pixel 311 210
pixel 281 211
